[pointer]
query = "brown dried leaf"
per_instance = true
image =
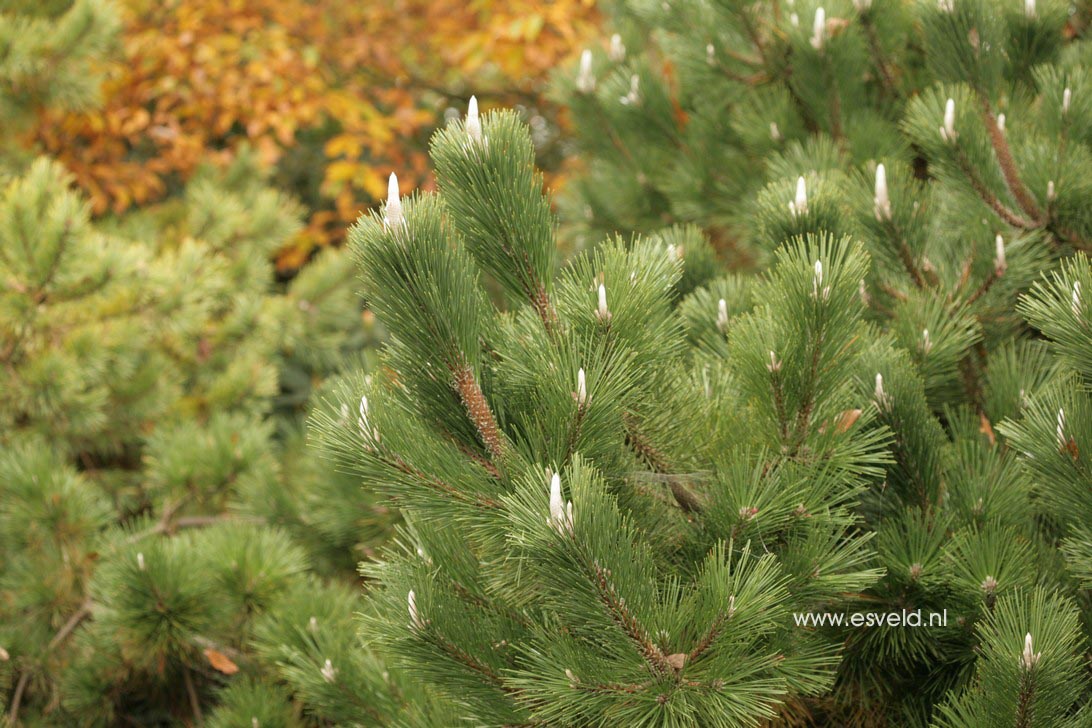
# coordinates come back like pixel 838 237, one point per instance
pixel 221 662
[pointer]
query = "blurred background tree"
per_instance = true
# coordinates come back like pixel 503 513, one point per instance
pixel 331 95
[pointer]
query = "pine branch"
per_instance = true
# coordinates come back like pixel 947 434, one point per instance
pixel 1008 164
pixel 887 80
pixel 477 408
pixel 620 614
pixel 191 691
pixel 62 634
pixel 657 462
pixel 1003 211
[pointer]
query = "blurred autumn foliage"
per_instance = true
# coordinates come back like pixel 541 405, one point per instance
pixel 333 95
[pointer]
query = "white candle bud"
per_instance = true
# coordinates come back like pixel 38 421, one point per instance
pixel 1029 8
pixel 800 205
pixel 1001 123
pixel 862 5
pixel 1029 658
pixel 1075 301
pixel 722 315
pixel 948 132
pixel 926 342
pixel 881 199
pixel 329 674
pixel 819 29
pixel 817 278
pixel 140 561
pixel 392 215
pixel 775 132
pixel 881 395
pixel 473 122
pixel 1050 191
pixel 415 617
pixel 581 388
pixel 1067 100
pixel 561 515
pixel 585 79
pixel 775 364
pixel 1060 430
pixel 999 261
pixel 603 311
pixel 617 48
pixel 634 95
pixel 794 19
pixel 946 6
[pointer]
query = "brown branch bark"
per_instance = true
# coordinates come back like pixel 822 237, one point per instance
pixel 1008 164
pixel 477 408
pixel 627 622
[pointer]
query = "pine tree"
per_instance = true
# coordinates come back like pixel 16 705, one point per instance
pixel 949 139
pixel 164 531
pixel 872 425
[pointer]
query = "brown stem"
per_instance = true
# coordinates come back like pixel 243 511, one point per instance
pixel 1008 164
pixel 887 81
pixel 477 408
pixel 656 461
pixel 62 634
pixel 990 199
pixel 620 614
pixel 191 691
pixel 708 639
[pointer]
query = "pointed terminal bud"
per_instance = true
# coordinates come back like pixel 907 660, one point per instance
pixel 1050 191
pixel 722 315
pixel 1001 123
pixel 473 122
pixel 881 200
pixel 1000 264
pixel 585 79
pixel 817 279
pixel 329 674
pixel 634 95
pixel 1061 427
pixel 561 517
pixel 948 132
pixel 581 388
pixel 1075 301
pixel 1067 100
pixel 414 616
pixel 617 48
pixel 140 561
pixel 819 29
pixel 775 133
pixel 1029 658
pixel 392 216
pixel 800 205
pixel 1029 8
pixel 556 504
pixel 603 312
pixel 881 395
